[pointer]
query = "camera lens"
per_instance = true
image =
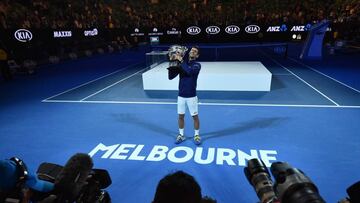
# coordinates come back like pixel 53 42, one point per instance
pixel 259 177
pixel 293 186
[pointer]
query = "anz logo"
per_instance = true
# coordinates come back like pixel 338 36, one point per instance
pixel 232 29
pixel 273 29
pixel 298 28
pixel 212 30
pixel 23 35
pixel 252 29
pixel 282 28
pixel 301 28
pixel 193 30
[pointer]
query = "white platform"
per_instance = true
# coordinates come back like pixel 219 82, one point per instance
pixel 215 76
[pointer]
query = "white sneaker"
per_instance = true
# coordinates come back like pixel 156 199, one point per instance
pixel 180 138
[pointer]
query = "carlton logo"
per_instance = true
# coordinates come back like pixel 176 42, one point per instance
pixel 193 30
pixel 173 31
pixel 212 30
pixel 232 29
pixel 23 35
pixel 252 29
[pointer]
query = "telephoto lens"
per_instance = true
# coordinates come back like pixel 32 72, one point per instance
pixel 259 177
pixel 293 186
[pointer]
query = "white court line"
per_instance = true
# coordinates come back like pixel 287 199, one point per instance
pixel 121 69
pixel 200 103
pixel 282 74
pixel 113 84
pixel 311 68
pixel 302 80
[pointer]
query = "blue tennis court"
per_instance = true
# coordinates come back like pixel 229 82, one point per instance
pixel 310 118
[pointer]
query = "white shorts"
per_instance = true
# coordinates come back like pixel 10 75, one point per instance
pixel 191 102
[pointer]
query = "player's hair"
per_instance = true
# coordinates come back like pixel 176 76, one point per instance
pixel 196 47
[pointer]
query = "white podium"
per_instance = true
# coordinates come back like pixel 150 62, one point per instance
pixel 215 76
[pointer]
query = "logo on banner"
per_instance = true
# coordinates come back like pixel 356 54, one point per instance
pixel 155 32
pixel 182 154
pixel 298 28
pixel 62 34
pixel 93 32
pixel 137 32
pixel 252 29
pixel 273 29
pixel 232 29
pixel 281 28
pixel 193 30
pixel 301 28
pixel 173 31
pixel 23 35
pixel 212 30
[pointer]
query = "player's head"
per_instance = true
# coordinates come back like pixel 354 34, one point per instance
pixel 194 52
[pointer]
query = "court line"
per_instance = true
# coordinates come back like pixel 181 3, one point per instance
pixel 114 84
pixel 282 74
pixel 298 77
pixel 200 103
pixel 121 69
pixel 311 68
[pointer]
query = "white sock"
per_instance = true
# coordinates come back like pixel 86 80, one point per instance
pixel 181 131
pixel 197 132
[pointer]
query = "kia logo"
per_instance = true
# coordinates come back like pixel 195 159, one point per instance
pixel 252 29
pixel 232 29
pixel 212 30
pixel 193 30
pixel 23 35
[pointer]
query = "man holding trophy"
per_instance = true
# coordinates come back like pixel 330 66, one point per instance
pixel 188 72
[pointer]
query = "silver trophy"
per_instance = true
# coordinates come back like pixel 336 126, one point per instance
pixel 173 51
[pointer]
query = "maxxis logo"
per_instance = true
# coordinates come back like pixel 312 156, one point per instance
pixel 252 29
pixel 193 30
pixel 23 35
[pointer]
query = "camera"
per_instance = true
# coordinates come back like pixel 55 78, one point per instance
pixel 354 194
pixel 291 184
pixel 259 177
pixel 77 181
